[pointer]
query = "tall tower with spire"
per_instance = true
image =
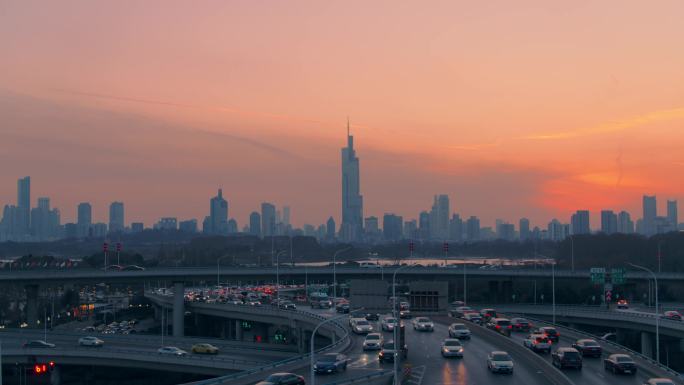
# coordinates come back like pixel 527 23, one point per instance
pixel 352 202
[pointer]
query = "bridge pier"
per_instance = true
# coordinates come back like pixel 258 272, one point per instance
pixel 647 344
pixel 32 305
pixel 238 330
pixel 178 309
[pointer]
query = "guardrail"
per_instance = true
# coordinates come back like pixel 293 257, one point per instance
pixel 612 344
pixel 365 379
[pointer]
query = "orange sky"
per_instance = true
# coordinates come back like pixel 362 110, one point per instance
pixel 512 108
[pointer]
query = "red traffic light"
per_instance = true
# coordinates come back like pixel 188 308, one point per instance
pixel 39 368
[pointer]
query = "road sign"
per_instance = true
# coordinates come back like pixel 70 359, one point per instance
pixel 617 276
pixel 598 275
pixel 609 295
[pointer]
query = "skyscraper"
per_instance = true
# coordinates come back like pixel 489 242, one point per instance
pixel 23 221
pixel 424 225
pixel 473 229
pixel 392 227
pixel 352 201
pixel 580 222
pixel 371 225
pixel 116 217
pixel 268 219
pixel 524 229
pixel 218 215
pixel 330 229
pixel 625 225
pixel 439 217
pixel 672 215
pixel 650 212
pixel 609 222
pixel 456 228
pixel 84 219
pixel 255 223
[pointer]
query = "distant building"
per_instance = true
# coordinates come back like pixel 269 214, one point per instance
pixel 625 225
pixel 23 214
pixel 255 224
pixel 188 226
pixel 650 212
pixel 439 217
pixel 609 222
pixel 98 230
pixel 473 229
pixel 424 225
pixel 137 227
pixel 371 225
pixel 524 229
pixel 580 222
pixel 411 229
pixel 232 226
pixel 116 217
pixel 84 219
pixel 167 223
pixel 557 231
pixel 352 202
pixel 218 215
pixel 268 219
pixel 672 214
pixel 45 223
pixel 456 228
pixel 330 229
pixel 506 231
pixel 392 226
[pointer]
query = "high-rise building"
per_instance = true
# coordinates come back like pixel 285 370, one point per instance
pixel 473 229
pixel 580 222
pixel 23 220
pixel 524 229
pixel 609 222
pixel 352 201
pixel 439 217
pixel 330 229
pixel 625 225
pixel 557 231
pixel 392 227
pixel 411 229
pixel 167 223
pixel 424 225
pixel 232 226
pixel 268 219
pixel 506 231
pixel 255 224
pixel 139 227
pixel 286 216
pixel 187 226
pixel 218 215
pixel 650 212
pixel 371 225
pixel 456 228
pixel 672 214
pixel 84 219
pixel 116 217
pixel 43 226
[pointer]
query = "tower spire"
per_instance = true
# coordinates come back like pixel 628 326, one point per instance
pixel 347 125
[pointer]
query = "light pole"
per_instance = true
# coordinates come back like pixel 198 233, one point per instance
pixel 335 274
pixel 218 269
pixel 553 290
pixel 657 310
pixel 278 274
pixel 397 325
pixel 312 379
pixel 465 284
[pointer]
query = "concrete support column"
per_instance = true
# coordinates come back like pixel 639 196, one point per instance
pixel 238 330
pixel 647 344
pixel 301 346
pixel 178 309
pixel 32 306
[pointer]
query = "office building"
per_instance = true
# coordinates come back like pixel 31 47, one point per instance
pixel 268 219
pixel 167 223
pixel 557 231
pixel 188 226
pixel 473 229
pixel 255 224
pixel 650 212
pixel 84 217
pixel 352 201
pixel 411 229
pixel 116 217
pixel 439 217
pixel 23 214
pixel 506 231
pixel 625 225
pixel 232 226
pixel 217 223
pixel 392 227
pixel 580 222
pixel 424 225
pixel 371 225
pixel 524 226
pixel 672 214
pixel 137 227
pixel 609 222
pixel 456 228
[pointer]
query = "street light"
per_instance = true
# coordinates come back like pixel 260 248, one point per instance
pixel 335 273
pixel 465 283
pixel 312 380
pixel 397 325
pixel 278 274
pixel 553 287
pixel 218 269
pixel 657 311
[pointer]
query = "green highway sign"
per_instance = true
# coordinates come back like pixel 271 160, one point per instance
pixel 598 275
pixel 617 276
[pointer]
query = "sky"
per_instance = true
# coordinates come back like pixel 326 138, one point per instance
pixel 514 109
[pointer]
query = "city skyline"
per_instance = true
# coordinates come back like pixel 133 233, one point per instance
pixel 477 104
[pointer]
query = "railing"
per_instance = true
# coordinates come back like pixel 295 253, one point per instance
pixel 366 378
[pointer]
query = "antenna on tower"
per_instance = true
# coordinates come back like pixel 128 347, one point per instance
pixel 347 125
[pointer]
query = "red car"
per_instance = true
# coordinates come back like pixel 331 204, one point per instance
pixel 672 315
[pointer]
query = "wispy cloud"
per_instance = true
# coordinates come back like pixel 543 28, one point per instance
pixel 613 126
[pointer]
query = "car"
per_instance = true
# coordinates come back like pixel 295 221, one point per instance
pixel 283 379
pixel 588 347
pixel 659 381
pixel 342 308
pixel 620 363
pixel 330 363
pixel 172 351
pixel 361 326
pixel 387 352
pixel 452 347
pixel 38 344
pixel 287 305
pixel 459 311
pixel 373 341
pixel 89 329
pixel 405 314
pixel 460 331
pixel 566 358
pixel 550 332
pixel 132 268
pixel 90 341
pixel 500 325
pixel 622 304
pixel 487 314
pixel 538 343
pixel 473 317
pixel 423 324
pixel 500 362
pixel 520 324
pixel 672 315
pixel 204 348
pixel 372 316
pixel 388 323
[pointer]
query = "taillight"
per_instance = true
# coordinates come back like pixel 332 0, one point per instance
pixel 510 327
pixel 498 327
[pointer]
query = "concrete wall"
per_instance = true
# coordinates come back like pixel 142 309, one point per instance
pixel 370 294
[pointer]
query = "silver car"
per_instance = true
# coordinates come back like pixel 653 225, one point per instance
pixel 172 351
pixel 373 341
pixel 458 330
pixel 452 347
pixel 389 323
pixel 423 324
pixel 500 362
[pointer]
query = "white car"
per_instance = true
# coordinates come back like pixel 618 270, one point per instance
pixel 460 331
pixel 500 362
pixel 388 324
pixel 473 317
pixel 172 351
pixel 423 324
pixel 373 341
pixel 90 341
pixel 361 326
pixel 452 347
